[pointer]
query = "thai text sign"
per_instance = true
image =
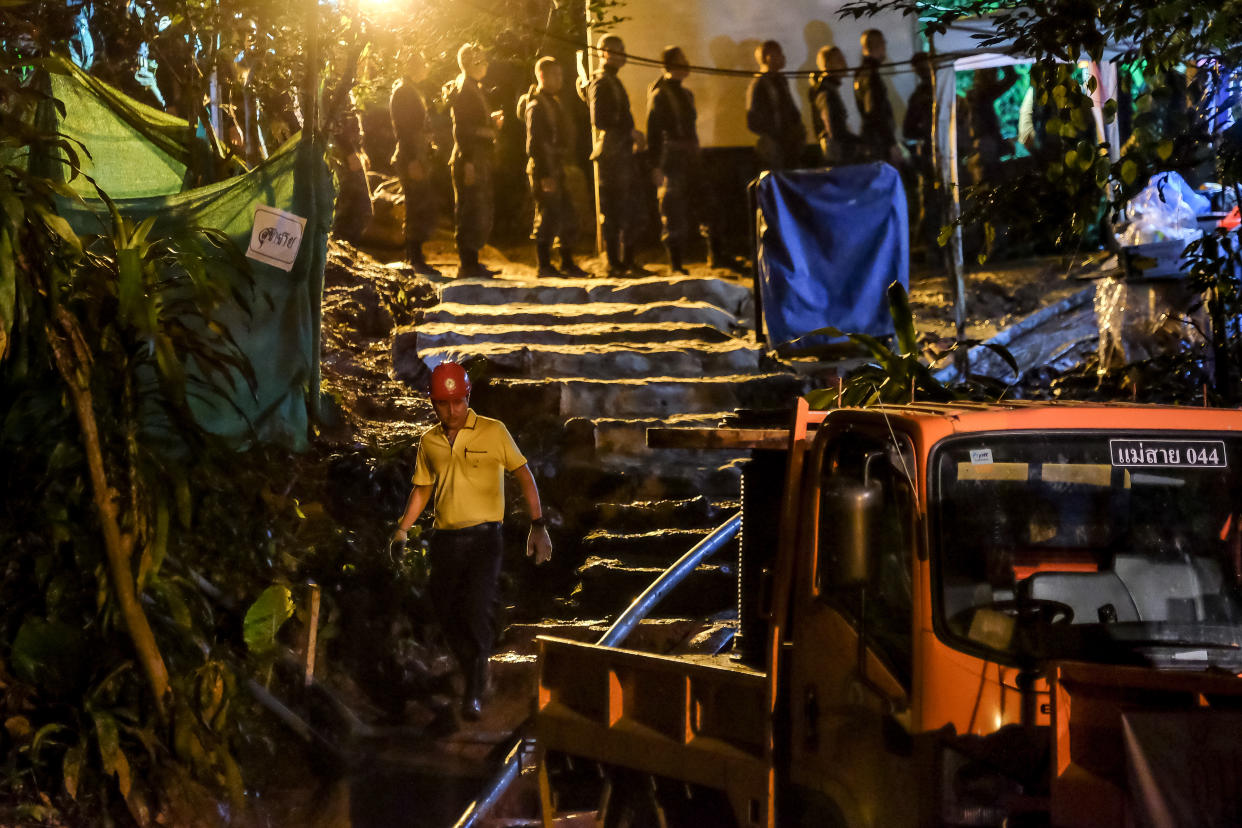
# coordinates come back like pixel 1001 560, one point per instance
pixel 276 237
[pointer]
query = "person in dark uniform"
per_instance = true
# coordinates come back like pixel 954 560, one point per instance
pixel 474 136
pixel 828 111
pixel 877 135
pixel 411 161
pixel 506 81
pixel 460 470
pixel 673 144
pixel 353 199
pixel 772 114
pixel 916 130
pixel 547 142
pixel 615 142
pixel 988 144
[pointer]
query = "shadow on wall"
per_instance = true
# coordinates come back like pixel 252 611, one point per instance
pixel 730 103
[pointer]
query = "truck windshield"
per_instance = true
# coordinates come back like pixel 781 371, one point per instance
pixel 1120 548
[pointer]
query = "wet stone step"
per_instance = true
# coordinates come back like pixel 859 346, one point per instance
pixel 617 435
pixel 691 513
pixel 440 335
pixel 637 397
pixel 685 358
pixel 597 484
pixel 657 546
pixel 730 296
pixel 609 585
pixel 654 313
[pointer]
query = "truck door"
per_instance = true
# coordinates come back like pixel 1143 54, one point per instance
pixel 849 695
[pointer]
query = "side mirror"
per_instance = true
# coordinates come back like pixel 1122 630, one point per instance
pixel 847 517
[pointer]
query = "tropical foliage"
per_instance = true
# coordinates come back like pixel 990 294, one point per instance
pixel 904 372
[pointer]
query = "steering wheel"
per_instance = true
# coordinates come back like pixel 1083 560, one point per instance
pixel 1041 611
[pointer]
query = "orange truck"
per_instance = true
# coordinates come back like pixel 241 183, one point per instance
pixel 959 614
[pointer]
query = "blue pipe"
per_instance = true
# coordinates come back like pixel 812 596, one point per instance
pixel 616 634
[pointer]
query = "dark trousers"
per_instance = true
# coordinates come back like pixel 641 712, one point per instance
pixel 554 214
pixel 473 205
pixel 687 202
pixel 465 565
pixel 420 212
pixel 616 205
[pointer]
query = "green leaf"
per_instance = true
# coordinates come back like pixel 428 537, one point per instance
pixel 265 618
pixel 1129 171
pixel 110 753
pixel 903 318
pixel 1165 149
pixel 75 757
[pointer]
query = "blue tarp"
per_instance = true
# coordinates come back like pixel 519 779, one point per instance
pixel 830 242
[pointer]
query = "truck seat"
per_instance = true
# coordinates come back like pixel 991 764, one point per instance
pixel 1171 591
pixel 1085 592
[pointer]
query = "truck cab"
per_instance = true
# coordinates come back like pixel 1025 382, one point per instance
pixel 975 615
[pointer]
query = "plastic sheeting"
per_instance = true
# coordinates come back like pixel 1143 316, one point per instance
pixel 142 159
pixel 1139 320
pixel 830 242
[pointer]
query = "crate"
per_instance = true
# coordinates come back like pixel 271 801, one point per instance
pixel 1157 260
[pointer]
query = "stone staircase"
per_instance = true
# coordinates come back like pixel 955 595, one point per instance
pixel 579 369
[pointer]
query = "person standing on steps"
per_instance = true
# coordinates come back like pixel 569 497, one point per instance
pixel 547 143
pixel 828 110
pixel 616 142
pixel 673 143
pixel 772 114
pixel 474 136
pixel 411 160
pixel 460 469
pixel 878 134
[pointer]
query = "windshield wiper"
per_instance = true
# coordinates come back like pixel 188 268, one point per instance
pixel 1177 642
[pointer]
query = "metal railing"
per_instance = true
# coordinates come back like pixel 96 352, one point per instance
pixel 614 637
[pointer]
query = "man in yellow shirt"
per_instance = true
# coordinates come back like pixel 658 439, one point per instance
pixel 460 468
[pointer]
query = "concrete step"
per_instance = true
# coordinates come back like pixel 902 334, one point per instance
pixel 622 435
pixel 654 546
pixel 690 513
pixel 660 396
pixel 610 585
pixel 731 296
pixel 595 483
pixel 698 313
pixel 440 335
pixel 684 358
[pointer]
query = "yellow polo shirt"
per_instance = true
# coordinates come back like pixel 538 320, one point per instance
pixel 469 475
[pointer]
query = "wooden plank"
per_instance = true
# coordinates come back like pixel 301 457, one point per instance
pixel 718 438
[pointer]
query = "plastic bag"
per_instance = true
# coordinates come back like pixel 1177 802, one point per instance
pixel 1140 320
pixel 1166 209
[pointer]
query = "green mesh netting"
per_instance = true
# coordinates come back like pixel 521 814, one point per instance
pixel 140 158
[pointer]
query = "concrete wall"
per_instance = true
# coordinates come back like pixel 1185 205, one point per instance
pixel 724 33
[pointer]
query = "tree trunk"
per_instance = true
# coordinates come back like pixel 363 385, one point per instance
pixel 119 547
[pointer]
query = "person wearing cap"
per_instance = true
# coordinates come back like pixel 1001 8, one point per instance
pixel 460 469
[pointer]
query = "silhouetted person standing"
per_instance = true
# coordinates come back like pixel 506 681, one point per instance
pixel 547 144
pixel 916 130
pixel 838 144
pixel 474 136
pixel 771 112
pixel 411 161
pixel 878 133
pixel 613 153
pixel 988 145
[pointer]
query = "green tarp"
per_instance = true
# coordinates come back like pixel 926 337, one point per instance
pixel 145 155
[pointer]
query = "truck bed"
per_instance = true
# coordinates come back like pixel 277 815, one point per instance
pixel 700 719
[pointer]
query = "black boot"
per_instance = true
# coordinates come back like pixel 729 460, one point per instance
pixel 632 267
pixel 612 248
pixel 470 267
pixel 476 686
pixel 543 252
pixel 675 258
pixel 569 267
pixel 414 255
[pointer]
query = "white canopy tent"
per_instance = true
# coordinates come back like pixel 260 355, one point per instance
pixel 959 50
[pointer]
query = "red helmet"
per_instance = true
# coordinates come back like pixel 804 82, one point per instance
pixel 449 381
